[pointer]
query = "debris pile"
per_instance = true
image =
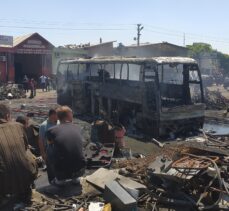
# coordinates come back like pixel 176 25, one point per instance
pixel 215 100
pixel 38 111
pixel 192 174
pixel 191 179
pixel 12 91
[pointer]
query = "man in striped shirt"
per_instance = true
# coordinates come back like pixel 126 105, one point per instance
pixel 18 169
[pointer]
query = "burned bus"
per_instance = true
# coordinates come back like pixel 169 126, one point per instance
pixel 159 95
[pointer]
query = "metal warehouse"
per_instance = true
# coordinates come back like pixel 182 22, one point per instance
pixel 29 55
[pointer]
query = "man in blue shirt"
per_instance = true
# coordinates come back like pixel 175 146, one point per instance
pixel 45 149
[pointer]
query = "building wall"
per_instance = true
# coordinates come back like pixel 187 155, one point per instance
pixel 153 50
pixel 208 63
pixel 104 49
pixel 10 67
pixel 65 53
pixel 3 67
pixel 32 53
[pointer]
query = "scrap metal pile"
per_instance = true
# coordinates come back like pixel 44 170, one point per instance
pixel 192 174
pixel 178 177
pixel 191 179
pixel 12 91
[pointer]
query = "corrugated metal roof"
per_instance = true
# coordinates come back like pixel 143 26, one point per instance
pixel 20 39
pixel 6 46
pixel 157 60
pixel 153 44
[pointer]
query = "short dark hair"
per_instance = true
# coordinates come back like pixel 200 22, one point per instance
pixel 51 112
pixel 4 111
pixel 62 112
pixel 21 119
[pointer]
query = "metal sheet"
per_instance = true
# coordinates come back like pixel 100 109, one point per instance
pixel 6 40
pixel 104 176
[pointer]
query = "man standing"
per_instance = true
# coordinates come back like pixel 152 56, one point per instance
pixel 18 169
pixel 32 87
pixel 25 83
pixel 47 84
pixel 67 141
pixel 43 145
pixel 43 82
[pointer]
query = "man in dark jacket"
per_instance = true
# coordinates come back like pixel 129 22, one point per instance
pixel 32 132
pixel 68 158
pixel 17 166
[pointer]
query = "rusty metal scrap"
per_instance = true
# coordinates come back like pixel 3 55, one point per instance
pixel 188 162
pixel 16 91
pixel 196 180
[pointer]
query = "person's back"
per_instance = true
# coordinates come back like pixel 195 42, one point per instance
pixel 17 168
pixel 68 158
pixel 68 143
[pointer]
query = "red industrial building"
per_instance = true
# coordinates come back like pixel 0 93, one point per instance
pixel 29 55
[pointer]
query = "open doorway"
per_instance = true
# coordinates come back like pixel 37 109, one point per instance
pixel 27 64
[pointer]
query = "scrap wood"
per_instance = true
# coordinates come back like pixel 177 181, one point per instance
pixel 157 142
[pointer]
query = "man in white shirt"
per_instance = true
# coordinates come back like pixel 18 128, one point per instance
pixel 43 79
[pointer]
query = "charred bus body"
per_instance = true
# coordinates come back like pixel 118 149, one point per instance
pixel 159 95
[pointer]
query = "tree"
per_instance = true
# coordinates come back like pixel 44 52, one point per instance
pixel 197 48
pixel 224 62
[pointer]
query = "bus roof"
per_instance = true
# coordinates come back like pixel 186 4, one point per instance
pixel 137 60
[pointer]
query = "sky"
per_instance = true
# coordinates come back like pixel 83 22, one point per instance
pixel 82 21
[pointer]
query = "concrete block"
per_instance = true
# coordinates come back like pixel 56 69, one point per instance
pixel 119 198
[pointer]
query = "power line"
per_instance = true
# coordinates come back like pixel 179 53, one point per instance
pixel 184 40
pixel 44 22
pixel 56 23
pixel 69 29
pixel 188 34
pixel 164 33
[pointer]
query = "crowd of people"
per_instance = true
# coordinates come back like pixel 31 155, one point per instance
pixel 57 140
pixel 32 85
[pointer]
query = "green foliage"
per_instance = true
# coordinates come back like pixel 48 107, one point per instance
pixel 224 62
pixel 197 48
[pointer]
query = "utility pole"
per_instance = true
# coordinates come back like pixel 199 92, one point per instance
pixel 184 40
pixel 139 29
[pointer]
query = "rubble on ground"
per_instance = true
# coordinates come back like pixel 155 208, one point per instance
pixel 215 100
pixel 192 174
pixel 12 91
pixel 180 176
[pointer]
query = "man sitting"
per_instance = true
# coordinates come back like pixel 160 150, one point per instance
pixel 68 158
pixel 32 132
pixel 18 168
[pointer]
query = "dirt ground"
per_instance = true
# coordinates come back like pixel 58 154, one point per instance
pixel 40 106
pixel 223 91
pixel 46 100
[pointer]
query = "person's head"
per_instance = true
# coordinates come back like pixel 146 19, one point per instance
pixel 52 115
pixel 65 114
pixel 4 112
pixel 23 120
